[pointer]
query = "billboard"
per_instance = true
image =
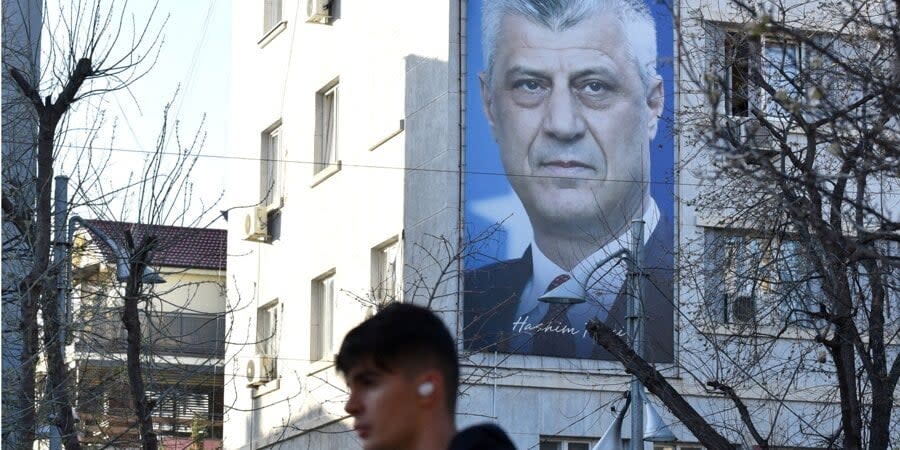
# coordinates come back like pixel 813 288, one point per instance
pixel 566 145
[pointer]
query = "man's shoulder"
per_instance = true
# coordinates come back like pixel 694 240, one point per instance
pixel 517 266
pixel 482 437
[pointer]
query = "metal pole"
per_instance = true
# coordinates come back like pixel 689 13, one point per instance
pixel 61 256
pixel 636 330
pixel 61 261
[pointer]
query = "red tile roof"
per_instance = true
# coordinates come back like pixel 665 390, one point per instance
pixel 201 248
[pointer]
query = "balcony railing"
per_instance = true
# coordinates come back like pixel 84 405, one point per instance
pixel 166 333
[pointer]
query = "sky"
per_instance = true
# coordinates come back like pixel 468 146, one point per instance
pixel 194 58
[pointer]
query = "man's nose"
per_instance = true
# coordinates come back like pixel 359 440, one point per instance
pixel 563 118
pixel 352 406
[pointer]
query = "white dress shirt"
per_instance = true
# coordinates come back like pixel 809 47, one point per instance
pixel 602 286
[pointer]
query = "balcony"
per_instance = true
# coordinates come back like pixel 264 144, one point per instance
pixel 163 333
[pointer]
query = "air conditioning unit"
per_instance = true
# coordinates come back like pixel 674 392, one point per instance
pixel 256 371
pixel 743 309
pixel 755 135
pixel 318 11
pixel 256 227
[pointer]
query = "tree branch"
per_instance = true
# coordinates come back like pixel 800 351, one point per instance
pixel 27 89
pixel 742 409
pixel 657 384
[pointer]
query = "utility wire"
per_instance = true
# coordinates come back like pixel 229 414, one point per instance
pixel 407 169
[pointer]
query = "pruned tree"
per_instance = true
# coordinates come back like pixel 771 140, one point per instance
pixel 95 43
pixel 139 319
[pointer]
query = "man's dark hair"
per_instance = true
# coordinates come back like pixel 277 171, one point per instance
pixel 403 336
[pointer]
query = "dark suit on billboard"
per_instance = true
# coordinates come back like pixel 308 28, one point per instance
pixel 492 295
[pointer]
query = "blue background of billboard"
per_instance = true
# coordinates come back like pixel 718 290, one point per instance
pixel 485 176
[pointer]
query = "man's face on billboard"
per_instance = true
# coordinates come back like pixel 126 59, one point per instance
pixel 573 122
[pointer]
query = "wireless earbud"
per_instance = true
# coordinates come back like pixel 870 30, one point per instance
pixel 426 388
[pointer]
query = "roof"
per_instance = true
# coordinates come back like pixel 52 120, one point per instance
pixel 196 248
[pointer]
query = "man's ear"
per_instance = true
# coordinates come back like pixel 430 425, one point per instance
pixel 655 102
pixel 434 393
pixel 486 97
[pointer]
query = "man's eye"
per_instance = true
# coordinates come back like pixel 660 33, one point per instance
pixel 594 87
pixel 528 85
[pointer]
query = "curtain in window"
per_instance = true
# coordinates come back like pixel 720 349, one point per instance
pixel 327 316
pixel 781 65
pixel 321 344
pixel 385 281
pixel 270 158
pixel 328 153
pixel 272 14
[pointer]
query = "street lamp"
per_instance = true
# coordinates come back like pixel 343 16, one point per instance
pixel 573 292
pixel 123 269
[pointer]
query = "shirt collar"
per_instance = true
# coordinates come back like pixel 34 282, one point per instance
pixel 544 270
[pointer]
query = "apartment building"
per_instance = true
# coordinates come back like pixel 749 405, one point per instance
pixel 376 163
pixel 183 335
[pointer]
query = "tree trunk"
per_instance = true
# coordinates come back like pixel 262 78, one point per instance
pixel 132 323
pixel 36 287
pixel 658 386
pixel 35 284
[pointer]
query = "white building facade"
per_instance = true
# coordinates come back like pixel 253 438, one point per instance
pixel 349 129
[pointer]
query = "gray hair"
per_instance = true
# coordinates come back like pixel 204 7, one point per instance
pixel 558 15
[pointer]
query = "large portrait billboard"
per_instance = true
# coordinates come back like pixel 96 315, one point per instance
pixel 566 146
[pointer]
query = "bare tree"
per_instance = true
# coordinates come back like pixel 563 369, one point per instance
pixel 138 319
pixel 789 133
pixel 93 41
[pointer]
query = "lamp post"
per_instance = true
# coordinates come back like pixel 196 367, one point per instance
pixel 634 321
pixel 573 292
pixel 61 427
pixel 123 269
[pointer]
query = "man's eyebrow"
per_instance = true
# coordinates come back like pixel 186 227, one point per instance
pixel 528 71
pixel 362 374
pixel 518 70
pixel 594 70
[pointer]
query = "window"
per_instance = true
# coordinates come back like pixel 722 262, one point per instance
pixel 777 61
pixel 657 446
pixel 738 59
pixel 267 339
pixel 327 115
pixel 386 281
pixel 759 280
pixel 321 335
pixel 780 68
pixel 271 14
pixel 271 166
pixel 565 444
pixel 179 409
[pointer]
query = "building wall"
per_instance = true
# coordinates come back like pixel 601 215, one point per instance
pixel 21 28
pixel 399 62
pixel 192 290
pixel 327 225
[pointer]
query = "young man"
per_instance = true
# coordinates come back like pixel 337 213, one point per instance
pixel 402 370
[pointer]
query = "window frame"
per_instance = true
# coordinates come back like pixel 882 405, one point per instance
pixel 321 326
pixel 271 163
pixel 748 53
pixel 266 350
pixel 383 290
pixel 273 15
pixel 327 143
pixel 747 264
pixel 565 442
